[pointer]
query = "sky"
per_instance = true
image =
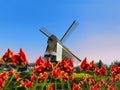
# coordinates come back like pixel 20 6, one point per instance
pixel 96 37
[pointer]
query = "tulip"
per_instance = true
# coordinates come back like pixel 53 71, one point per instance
pixel 42 77
pixel 110 87
pixel 39 61
pixel 84 65
pixel 28 84
pixel 7 57
pixel 20 58
pixel 76 86
pixel 50 87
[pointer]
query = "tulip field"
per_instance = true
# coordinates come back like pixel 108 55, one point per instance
pixel 43 75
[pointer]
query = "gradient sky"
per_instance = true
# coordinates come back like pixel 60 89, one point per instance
pixel 96 37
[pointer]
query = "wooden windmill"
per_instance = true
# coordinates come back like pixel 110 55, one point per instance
pixel 55 49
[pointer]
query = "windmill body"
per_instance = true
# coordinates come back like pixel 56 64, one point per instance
pixel 59 53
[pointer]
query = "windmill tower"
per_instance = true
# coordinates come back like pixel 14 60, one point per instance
pixel 55 49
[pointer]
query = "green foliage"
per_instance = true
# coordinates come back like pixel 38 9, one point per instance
pixel 116 63
pixel 81 75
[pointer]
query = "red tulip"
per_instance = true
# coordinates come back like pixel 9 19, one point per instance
pixel 1 84
pixel 76 86
pixel 39 61
pixel 84 65
pixel 56 73
pixel 92 65
pixel 82 81
pixel 7 57
pixel 103 70
pixel 71 78
pixel 114 70
pixel 21 83
pixel 113 79
pixel 68 69
pixel 17 76
pixel 64 76
pixel 3 78
pixel 61 63
pixel 3 75
pixel 98 84
pixel 33 78
pixel 66 65
pixel 40 69
pixel 50 87
pixel 42 77
pixel 11 72
pixel 110 87
pixel 28 84
pixel 20 58
pixel 100 71
pixel 70 62
pixel 91 81
pixel 94 88
pixel 96 71
pixel 117 77
pixel 49 65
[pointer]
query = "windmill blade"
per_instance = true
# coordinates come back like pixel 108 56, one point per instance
pixel 45 32
pixel 68 51
pixel 70 29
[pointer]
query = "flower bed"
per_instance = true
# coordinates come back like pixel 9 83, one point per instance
pixel 46 76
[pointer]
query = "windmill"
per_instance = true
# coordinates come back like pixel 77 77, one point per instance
pixel 55 49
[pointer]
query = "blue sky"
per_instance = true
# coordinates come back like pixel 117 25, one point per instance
pixel 96 37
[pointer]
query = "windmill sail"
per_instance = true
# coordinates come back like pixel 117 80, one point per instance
pixel 70 29
pixel 68 52
pixel 45 32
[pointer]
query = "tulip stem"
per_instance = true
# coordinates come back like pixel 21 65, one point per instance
pixel 68 82
pixel 62 82
pixel 55 84
pixel 34 88
pixel 63 85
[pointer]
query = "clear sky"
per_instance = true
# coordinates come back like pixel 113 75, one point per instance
pixel 96 37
